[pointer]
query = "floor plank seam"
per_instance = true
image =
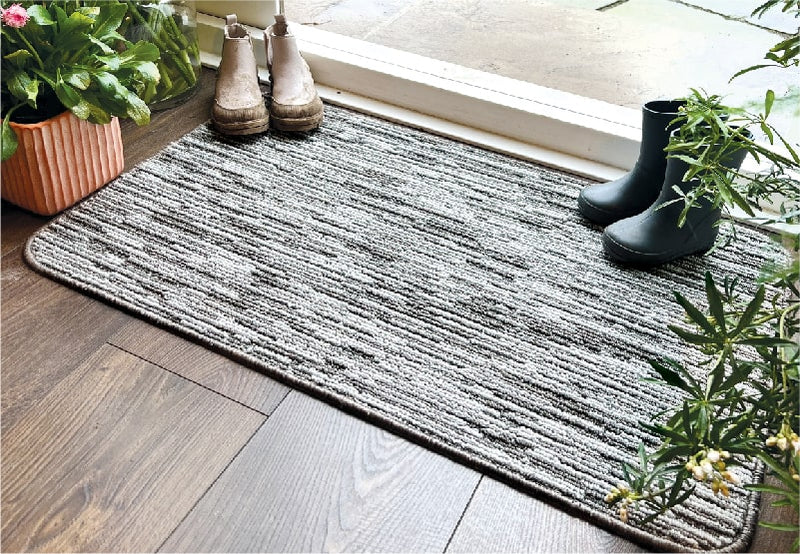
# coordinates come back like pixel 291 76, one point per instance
pixel 463 513
pixel 214 482
pixel 201 385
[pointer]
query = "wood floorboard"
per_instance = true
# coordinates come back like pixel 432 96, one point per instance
pixel 47 330
pixel 199 364
pixel 114 457
pixel 502 519
pixel 314 479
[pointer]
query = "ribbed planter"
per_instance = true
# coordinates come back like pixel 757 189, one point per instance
pixel 60 161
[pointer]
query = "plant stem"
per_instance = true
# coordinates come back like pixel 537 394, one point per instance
pixel 32 50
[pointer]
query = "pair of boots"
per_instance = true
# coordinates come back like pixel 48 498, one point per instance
pixel 641 229
pixel 239 107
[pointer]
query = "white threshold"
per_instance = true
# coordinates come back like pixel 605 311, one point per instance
pixel 566 131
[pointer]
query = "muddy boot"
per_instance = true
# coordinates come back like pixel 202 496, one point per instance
pixel 239 107
pixel 635 191
pixel 653 237
pixel 295 103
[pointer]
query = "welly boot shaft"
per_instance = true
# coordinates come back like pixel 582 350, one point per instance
pixel 635 191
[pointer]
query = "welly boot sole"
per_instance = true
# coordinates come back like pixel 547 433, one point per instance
pixel 243 127
pixel 621 254
pixel 297 124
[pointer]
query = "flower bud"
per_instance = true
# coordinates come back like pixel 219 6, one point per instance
pixel 783 443
pixel 713 456
pixel 730 477
pixel 725 454
pixel 771 441
pixel 708 469
pixel 698 473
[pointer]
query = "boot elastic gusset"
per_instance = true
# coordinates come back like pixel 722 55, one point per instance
pixel 239 107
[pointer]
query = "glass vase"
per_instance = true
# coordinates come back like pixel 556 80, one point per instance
pixel 172 26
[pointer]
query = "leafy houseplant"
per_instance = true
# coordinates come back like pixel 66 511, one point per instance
pixel 68 55
pixel 742 403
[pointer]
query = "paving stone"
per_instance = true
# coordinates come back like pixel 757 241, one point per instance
pixel 773 19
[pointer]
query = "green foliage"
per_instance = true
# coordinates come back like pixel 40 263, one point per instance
pixel 742 402
pixel 69 55
pixel 785 53
pixel 710 133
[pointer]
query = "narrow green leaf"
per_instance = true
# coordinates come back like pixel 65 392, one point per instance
pixel 768 101
pixel 692 338
pixel 695 315
pixel 767 488
pixel 715 302
pixel 790 527
pixel 669 376
pixel 766 341
pixel 750 312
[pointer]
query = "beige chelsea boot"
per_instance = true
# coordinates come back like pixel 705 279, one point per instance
pixel 239 107
pixel 295 103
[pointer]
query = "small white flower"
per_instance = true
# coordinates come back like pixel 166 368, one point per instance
pixel 708 469
pixel 783 443
pixel 698 473
pixel 713 456
pixel 771 441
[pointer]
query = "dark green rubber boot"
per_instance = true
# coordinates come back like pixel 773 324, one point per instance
pixel 653 237
pixel 635 191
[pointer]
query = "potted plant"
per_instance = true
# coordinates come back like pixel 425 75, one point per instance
pixel 67 75
pixel 743 402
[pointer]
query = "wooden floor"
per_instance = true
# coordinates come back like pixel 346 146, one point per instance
pixel 118 436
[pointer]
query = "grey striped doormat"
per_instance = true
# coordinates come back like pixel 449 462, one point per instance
pixel 445 292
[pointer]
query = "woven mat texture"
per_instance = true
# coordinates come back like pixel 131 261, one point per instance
pixel 450 294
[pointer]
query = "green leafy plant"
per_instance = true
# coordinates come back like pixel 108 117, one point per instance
pixel 742 402
pixel 68 55
pixel 163 25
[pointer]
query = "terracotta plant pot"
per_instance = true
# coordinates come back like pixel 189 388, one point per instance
pixel 60 161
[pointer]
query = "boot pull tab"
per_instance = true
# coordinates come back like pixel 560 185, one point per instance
pixel 230 19
pixel 280 28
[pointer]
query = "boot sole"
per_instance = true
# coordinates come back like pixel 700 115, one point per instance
pixel 298 124
pixel 243 128
pixel 624 255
